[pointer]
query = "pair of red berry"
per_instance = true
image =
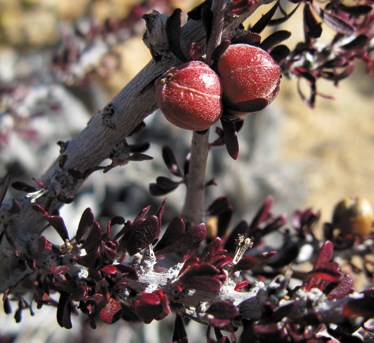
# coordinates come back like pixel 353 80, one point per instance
pixel 190 95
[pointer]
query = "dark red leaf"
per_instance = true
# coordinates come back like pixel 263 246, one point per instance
pixel 336 23
pixel 79 292
pixel 203 277
pixel 114 221
pixel 252 308
pixel 212 249
pixel 369 292
pixel 150 306
pixel 173 232
pixel 224 221
pixel 128 271
pixel 18 315
pixel 249 106
pixel 247 37
pixel 109 269
pixel 162 186
pixel 59 269
pixel 326 275
pixel 355 10
pixel 195 13
pixel 156 190
pixel 142 214
pixel 139 157
pixel 160 212
pixel 325 255
pixel 265 19
pixel 283 311
pixel 203 283
pixel 170 161
pixel 263 213
pixel 249 262
pixel 140 234
pixel 39 183
pixel 286 255
pixel 179 334
pixel 310 101
pixel 275 38
pixel 221 261
pixel 7 306
pixel 223 209
pixel 55 221
pixel 279 53
pixel 312 28
pixel 139 147
pixel 184 243
pixel 96 299
pixel 363 307
pixel 223 310
pixel 357 43
pixel 342 289
pixel 218 206
pixel 195 235
pixel 240 285
pixel 24 187
pixel 224 324
pixel 220 49
pixel 111 312
pixel 191 261
pixel 90 259
pixel 59 225
pixel 93 239
pixel 173 33
pixel 137 129
pixel 85 225
pixel 231 138
pixel 64 309
pixel 275 224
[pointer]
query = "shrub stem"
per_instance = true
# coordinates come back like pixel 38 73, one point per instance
pixel 193 209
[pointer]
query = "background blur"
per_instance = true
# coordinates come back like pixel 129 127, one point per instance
pixel 62 61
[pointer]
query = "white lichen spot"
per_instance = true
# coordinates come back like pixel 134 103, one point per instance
pixel 305 253
pixel 83 273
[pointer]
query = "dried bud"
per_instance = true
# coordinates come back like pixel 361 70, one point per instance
pixel 250 78
pixel 189 95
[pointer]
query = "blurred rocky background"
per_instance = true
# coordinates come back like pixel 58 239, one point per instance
pixel 62 61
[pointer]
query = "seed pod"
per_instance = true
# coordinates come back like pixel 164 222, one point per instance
pixel 190 96
pixel 250 78
pixel 353 215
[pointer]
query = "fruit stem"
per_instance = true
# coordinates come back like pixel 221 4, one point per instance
pixel 193 209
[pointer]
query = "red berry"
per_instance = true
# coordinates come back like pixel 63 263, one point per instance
pixel 189 95
pixel 250 77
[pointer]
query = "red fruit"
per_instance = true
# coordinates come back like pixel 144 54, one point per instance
pixel 250 77
pixel 189 95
